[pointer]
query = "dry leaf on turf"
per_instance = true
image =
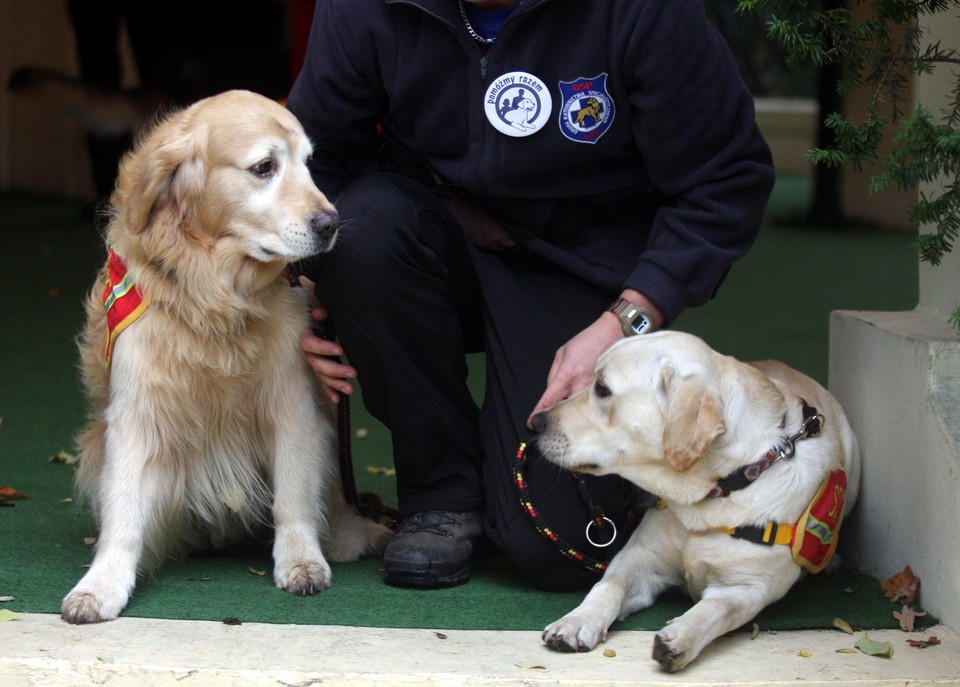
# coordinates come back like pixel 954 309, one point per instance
pixel 530 667
pixel 932 640
pixel 64 457
pixel 261 573
pixel 904 587
pixel 873 648
pixel 6 615
pixel 378 470
pixel 842 624
pixel 4 599
pixel 609 653
pixel 907 618
pixel 440 635
pixel 10 493
pixel 804 653
pixel 846 650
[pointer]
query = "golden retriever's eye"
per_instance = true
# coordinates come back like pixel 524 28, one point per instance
pixel 601 390
pixel 264 168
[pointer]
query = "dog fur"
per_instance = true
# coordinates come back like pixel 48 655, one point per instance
pixel 673 416
pixel 208 424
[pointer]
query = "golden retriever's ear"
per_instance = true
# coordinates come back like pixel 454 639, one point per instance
pixel 165 175
pixel 693 420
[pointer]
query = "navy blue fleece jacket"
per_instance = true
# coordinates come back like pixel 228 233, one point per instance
pixel 675 129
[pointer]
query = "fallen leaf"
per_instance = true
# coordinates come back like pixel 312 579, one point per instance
pixel 440 635
pixel 846 650
pixel 64 457
pixel 609 653
pixel 804 653
pixel 106 659
pixel 261 573
pixel 10 493
pixel 907 617
pixel 530 667
pixel 4 599
pixel 378 470
pixel 873 648
pixel 932 640
pixel 66 500
pixel 232 621
pixel 904 587
pixel 842 624
pixel 6 615
pixel 755 631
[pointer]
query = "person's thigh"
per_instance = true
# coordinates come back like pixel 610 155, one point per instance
pixel 532 309
pixel 402 294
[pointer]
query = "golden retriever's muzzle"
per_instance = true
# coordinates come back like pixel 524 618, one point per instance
pixel 324 226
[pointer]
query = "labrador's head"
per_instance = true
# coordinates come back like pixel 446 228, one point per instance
pixel 655 401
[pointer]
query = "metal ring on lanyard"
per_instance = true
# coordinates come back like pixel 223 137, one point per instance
pixel 613 537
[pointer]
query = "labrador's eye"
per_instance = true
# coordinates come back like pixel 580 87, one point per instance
pixel 264 168
pixel 601 390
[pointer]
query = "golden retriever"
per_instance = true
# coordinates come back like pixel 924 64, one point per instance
pixel 711 436
pixel 206 422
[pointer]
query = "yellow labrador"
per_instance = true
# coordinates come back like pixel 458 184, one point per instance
pixel 736 452
pixel 206 422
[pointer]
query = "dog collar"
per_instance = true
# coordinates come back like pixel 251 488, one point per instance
pixel 785 448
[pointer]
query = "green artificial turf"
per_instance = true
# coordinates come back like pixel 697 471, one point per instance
pixel 775 304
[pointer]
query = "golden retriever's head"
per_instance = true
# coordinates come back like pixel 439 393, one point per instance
pixel 655 400
pixel 228 174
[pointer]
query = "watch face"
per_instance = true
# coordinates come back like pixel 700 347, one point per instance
pixel 640 323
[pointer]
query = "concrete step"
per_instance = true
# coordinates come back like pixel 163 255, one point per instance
pixel 43 650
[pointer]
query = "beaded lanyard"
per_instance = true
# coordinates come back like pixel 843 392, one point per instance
pixel 597 517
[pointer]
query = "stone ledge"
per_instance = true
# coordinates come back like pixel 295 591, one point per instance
pixel 43 650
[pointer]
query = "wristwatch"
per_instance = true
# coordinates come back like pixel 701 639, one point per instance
pixel 635 319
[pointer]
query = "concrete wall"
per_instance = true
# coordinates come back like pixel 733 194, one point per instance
pixel 898 377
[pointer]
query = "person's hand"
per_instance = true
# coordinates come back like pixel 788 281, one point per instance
pixel 322 354
pixel 574 364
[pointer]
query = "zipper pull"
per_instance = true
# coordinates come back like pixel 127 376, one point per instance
pixel 483 67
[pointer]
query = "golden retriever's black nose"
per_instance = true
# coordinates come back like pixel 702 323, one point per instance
pixel 539 422
pixel 324 225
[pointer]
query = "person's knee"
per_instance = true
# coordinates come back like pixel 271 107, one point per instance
pixel 542 564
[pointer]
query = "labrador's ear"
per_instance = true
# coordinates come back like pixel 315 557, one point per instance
pixel 163 176
pixel 693 420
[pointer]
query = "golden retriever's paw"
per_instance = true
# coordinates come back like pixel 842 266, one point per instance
pixel 304 578
pixel 353 536
pixel 671 652
pixel 572 633
pixel 84 606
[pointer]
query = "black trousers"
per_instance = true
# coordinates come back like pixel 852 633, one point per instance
pixel 410 296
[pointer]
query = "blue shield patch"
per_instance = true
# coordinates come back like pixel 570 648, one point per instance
pixel 587 110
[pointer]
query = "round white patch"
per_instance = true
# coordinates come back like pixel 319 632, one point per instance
pixel 518 104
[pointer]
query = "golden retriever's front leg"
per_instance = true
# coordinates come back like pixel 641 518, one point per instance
pixel 298 473
pixel 130 500
pixel 648 564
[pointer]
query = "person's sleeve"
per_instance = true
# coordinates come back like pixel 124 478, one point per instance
pixel 694 123
pixel 334 96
